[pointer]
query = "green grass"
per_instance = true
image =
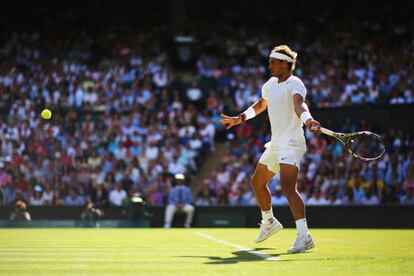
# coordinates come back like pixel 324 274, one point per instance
pixel 182 252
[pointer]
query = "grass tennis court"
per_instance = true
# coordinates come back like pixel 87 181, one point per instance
pixel 202 252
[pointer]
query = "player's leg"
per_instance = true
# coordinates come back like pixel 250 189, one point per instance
pixel 288 180
pixel 269 225
pixel 189 211
pixel 260 178
pixel 169 214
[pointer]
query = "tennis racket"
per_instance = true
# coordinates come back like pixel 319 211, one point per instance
pixel 363 145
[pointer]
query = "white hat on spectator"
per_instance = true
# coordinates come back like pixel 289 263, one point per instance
pixel 38 188
pixel 179 176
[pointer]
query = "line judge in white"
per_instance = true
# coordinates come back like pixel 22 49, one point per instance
pixel 284 97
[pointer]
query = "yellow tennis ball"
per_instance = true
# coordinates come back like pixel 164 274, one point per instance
pixel 46 114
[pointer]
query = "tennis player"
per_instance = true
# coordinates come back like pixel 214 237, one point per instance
pixel 284 97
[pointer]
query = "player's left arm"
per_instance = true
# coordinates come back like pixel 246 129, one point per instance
pixel 302 111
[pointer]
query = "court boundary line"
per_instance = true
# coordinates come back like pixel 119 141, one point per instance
pixel 266 257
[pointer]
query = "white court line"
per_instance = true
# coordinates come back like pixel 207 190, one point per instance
pixel 240 247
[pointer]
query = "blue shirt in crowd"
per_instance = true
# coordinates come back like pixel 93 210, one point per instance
pixel 180 194
pixel 73 201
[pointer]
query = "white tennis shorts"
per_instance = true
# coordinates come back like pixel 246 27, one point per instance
pixel 272 157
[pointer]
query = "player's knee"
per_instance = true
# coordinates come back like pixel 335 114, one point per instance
pixel 288 189
pixel 255 181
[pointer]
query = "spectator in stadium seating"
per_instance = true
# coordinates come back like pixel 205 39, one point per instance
pixel 179 199
pixel 175 166
pixel 370 197
pixel 348 197
pixel 356 183
pixel 47 195
pixel 375 185
pixel 205 196
pixel 317 198
pixel 389 196
pixel 194 93
pixel 409 181
pixel 73 198
pixel 332 198
pixel 319 144
pixel 156 194
pixel 99 196
pixel 36 198
pixel 278 198
pixel 117 194
pixel 58 196
pixel 9 193
pixel 408 198
pixel 236 196
pixel 222 196
pixel 223 175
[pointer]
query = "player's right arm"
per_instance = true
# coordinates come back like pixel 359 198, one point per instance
pixel 254 110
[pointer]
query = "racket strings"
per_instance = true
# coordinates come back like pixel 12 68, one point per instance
pixel 366 145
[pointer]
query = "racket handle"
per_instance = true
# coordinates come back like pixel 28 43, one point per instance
pixel 327 131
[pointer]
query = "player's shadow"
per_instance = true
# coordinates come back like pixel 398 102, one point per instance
pixel 239 256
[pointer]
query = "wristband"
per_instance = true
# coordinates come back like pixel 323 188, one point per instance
pixel 305 116
pixel 250 113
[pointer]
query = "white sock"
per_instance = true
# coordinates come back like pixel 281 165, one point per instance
pixel 267 216
pixel 302 227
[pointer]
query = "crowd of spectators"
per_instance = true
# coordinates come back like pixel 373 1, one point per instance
pixel 342 62
pixel 121 125
pixel 110 153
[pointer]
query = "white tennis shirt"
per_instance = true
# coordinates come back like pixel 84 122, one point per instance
pixel 285 124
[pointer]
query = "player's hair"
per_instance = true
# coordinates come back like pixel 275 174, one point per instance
pixel 284 49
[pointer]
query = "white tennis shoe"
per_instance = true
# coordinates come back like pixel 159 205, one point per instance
pixel 302 244
pixel 268 229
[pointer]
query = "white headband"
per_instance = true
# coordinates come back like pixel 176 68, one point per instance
pixel 280 56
